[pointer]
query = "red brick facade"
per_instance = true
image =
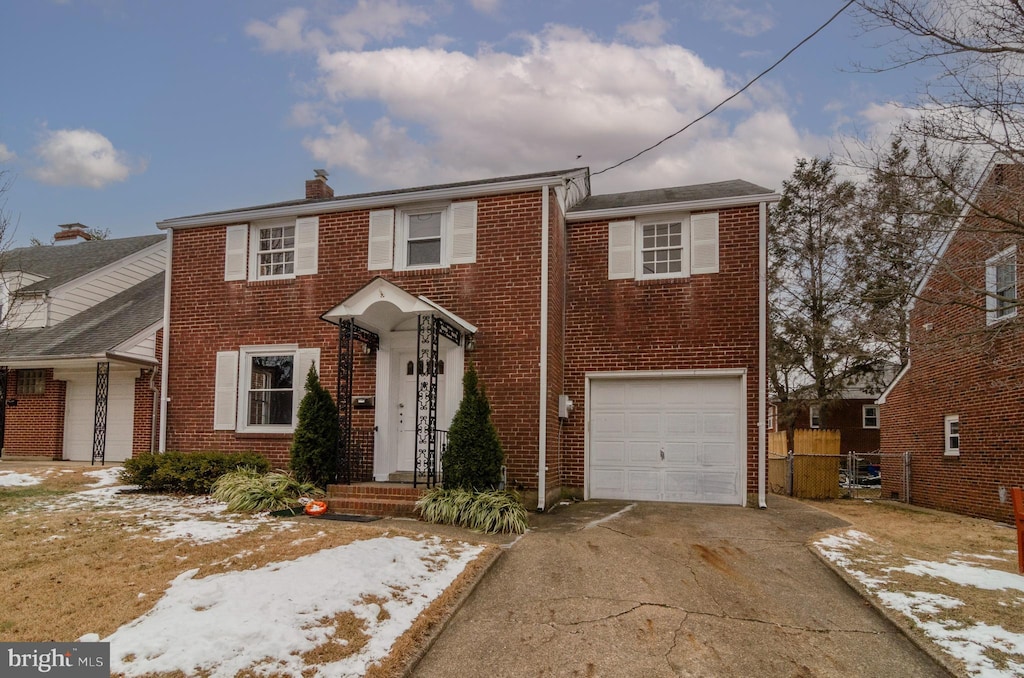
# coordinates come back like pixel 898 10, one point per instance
pixel 847 417
pixel 707 321
pixel 703 322
pixel 960 365
pixel 34 426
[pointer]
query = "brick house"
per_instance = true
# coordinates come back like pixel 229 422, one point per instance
pixel 79 347
pixel 958 404
pixel 619 337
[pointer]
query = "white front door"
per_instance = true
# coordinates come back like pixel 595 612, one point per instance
pixel 405 413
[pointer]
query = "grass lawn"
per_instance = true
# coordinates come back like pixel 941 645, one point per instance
pixel 952 580
pixel 179 587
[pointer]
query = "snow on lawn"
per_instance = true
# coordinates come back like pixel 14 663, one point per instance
pixel 12 479
pixel 967 641
pixel 105 477
pixel 267 618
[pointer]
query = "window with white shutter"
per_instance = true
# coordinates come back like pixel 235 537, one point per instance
pixel 704 243
pixel 620 249
pixel 236 256
pixel 382 240
pixel 259 388
pixel 463 232
pixel 307 245
pixel 225 391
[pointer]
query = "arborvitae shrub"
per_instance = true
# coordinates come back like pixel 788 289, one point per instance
pixel 315 444
pixel 473 457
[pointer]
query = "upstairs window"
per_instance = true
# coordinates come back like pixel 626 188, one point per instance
pixel 275 253
pixel 871 416
pixel 663 246
pixel 815 416
pixel 952 426
pixel 661 250
pixel 1001 285
pixel 423 238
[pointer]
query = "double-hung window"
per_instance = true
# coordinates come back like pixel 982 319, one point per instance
pixel 275 251
pixel 424 238
pixel 661 249
pixel 815 416
pixel 270 395
pixel 952 434
pixel 1001 285
pixel 870 416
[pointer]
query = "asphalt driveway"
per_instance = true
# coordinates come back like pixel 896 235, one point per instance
pixel 670 590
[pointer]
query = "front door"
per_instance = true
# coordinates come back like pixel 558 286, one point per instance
pixel 405 412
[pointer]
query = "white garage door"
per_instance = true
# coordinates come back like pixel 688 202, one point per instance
pixel 667 439
pixel 80 414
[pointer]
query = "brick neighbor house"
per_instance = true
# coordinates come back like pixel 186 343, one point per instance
pixel 957 406
pixel 79 347
pixel 619 337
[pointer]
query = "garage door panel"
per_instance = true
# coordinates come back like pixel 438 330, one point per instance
pixel 719 455
pixel 681 486
pixel 681 454
pixel 719 488
pixel 608 453
pixel 644 426
pixel 667 439
pixel 643 485
pixel 643 453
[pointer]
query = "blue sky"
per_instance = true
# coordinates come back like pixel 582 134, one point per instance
pixel 119 113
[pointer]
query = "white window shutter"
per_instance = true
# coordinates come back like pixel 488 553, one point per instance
pixel 306 357
pixel 704 243
pixel 235 256
pixel 225 394
pixel 990 288
pixel 463 240
pixel 307 244
pixel 382 240
pixel 621 241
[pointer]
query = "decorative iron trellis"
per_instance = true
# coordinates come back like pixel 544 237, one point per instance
pixel 3 406
pixel 429 329
pixel 99 426
pixel 348 334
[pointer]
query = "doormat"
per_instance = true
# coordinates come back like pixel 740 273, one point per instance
pixel 348 518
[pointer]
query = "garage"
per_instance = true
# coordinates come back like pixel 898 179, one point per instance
pixel 678 439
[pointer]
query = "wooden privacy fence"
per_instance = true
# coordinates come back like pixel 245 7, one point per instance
pixel 811 470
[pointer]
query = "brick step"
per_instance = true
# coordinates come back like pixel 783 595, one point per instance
pixel 379 490
pixel 372 506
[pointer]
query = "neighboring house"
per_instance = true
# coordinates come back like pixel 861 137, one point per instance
pixel 619 337
pixel 855 414
pixel 958 404
pixel 79 346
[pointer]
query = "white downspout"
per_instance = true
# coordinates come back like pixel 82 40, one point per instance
pixel 542 433
pixel 166 349
pixel 762 353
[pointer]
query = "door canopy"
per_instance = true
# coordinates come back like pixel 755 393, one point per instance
pixel 383 306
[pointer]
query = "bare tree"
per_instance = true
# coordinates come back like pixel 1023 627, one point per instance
pixel 815 348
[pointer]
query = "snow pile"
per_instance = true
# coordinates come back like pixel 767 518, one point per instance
pixel 965 641
pixel 105 477
pixel 268 617
pixel 12 479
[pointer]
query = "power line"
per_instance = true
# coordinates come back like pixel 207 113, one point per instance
pixel 732 96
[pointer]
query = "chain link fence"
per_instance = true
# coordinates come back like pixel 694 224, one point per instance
pixel 840 476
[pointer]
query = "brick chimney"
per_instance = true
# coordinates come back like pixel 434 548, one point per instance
pixel 317 189
pixel 69 234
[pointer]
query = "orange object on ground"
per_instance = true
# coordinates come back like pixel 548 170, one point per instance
pixel 1018 514
pixel 316 508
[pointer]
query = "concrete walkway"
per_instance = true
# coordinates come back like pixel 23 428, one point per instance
pixel 599 589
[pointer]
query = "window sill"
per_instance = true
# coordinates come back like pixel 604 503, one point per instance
pixel 950 455
pixel 272 282
pixel 662 281
pixel 422 272
pixel 239 435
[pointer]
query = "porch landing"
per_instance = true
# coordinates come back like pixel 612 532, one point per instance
pixel 391 499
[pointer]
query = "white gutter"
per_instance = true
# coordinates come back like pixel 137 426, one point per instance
pixel 166 349
pixel 364 202
pixel 762 353
pixel 686 206
pixel 542 433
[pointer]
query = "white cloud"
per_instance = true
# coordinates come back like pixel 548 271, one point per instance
pixel 6 154
pixel 81 157
pixel 449 115
pixel 368 21
pixel 739 19
pixel 648 27
pixel 486 6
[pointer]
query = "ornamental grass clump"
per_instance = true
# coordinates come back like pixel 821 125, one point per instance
pixel 249 490
pixel 493 511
